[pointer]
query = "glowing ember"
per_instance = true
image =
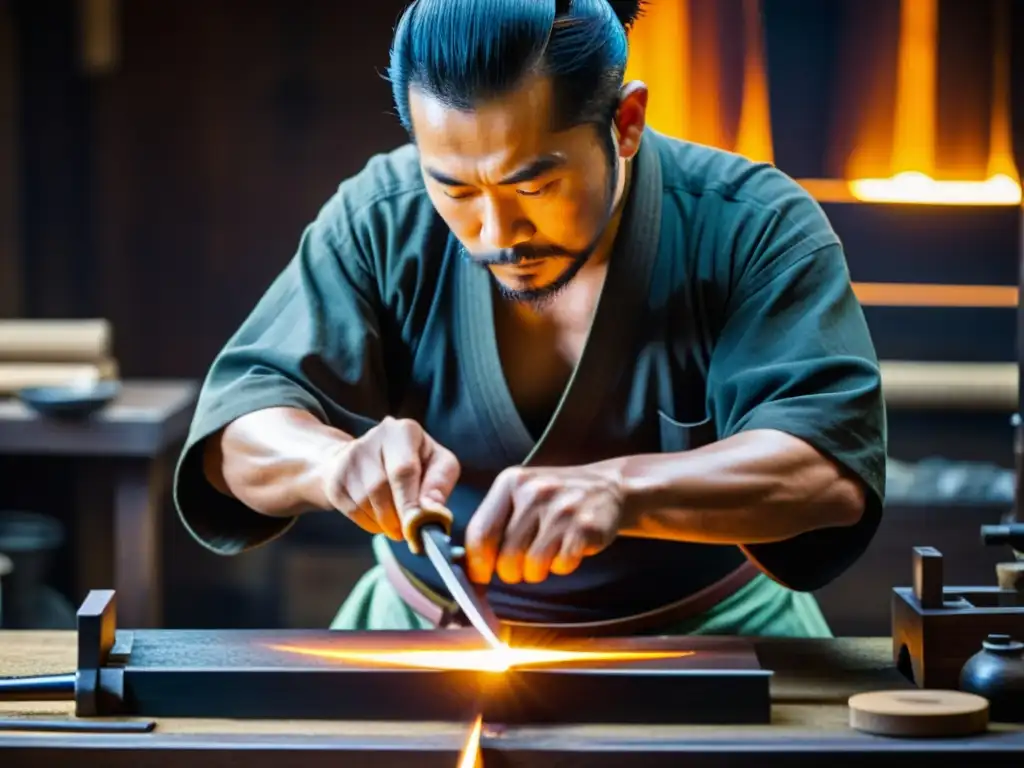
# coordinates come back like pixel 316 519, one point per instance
pixel 471 756
pixel 913 187
pixel 477 660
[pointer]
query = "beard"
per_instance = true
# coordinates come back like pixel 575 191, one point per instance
pixel 528 253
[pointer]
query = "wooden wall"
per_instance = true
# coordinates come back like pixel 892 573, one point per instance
pixel 10 246
pixel 167 193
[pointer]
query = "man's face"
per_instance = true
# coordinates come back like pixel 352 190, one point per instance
pixel 526 203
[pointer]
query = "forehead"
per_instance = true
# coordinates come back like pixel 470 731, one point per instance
pixel 490 137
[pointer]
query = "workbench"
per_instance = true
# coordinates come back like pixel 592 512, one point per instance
pixel 123 459
pixel 812 682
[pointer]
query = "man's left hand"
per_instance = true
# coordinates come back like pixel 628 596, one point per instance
pixel 540 521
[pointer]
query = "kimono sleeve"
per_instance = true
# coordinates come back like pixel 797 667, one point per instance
pixel 794 354
pixel 311 342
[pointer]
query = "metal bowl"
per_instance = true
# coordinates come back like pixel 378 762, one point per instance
pixel 71 401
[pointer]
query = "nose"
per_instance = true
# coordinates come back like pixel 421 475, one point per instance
pixel 502 225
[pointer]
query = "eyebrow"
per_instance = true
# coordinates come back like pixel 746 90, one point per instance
pixel 528 172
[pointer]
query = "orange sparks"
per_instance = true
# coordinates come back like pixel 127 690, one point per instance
pixel 477 660
pixel 474 660
pixel 472 756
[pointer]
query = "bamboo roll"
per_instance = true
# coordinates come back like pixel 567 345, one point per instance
pixel 55 341
pixel 953 386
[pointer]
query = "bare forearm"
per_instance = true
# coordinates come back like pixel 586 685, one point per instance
pixel 754 487
pixel 271 460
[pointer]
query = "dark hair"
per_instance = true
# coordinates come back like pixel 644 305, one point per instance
pixel 464 52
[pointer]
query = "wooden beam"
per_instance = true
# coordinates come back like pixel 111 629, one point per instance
pixel 11 285
pixel 934 386
pixel 99 36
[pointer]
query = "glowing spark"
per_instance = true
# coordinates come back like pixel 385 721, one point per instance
pixel 478 660
pixel 471 756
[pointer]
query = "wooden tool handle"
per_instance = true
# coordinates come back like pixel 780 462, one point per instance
pixel 425 514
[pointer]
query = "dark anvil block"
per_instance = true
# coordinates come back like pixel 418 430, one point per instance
pixel 324 674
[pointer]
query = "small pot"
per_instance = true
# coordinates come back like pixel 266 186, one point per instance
pixel 30 540
pixel 997 673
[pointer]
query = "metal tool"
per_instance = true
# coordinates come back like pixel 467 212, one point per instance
pixel 429 531
pixel 38 688
pixel 76 726
pixel 1011 534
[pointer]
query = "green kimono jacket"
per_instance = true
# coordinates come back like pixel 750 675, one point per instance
pixel 727 307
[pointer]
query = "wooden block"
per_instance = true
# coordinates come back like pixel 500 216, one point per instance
pixel 1011 576
pixel 930 646
pixel 928 577
pixel 919 714
pixel 97 619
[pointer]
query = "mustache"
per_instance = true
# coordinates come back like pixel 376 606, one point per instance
pixel 517 255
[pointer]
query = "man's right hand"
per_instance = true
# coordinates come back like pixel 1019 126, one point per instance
pixel 378 479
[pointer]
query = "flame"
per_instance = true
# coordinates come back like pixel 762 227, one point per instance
pixel 674 48
pixel 476 660
pixel 659 54
pixel 917 187
pixel 916 87
pixel 472 755
pixel 913 158
pixel 754 134
pixel 675 52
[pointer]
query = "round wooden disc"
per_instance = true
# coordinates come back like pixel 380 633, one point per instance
pixel 919 713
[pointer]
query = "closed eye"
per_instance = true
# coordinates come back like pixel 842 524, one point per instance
pixel 537 192
pixel 457 195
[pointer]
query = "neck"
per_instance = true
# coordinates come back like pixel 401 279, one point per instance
pixel 625 185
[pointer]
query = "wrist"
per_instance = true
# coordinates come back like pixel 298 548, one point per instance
pixel 640 490
pixel 317 476
pixel 272 460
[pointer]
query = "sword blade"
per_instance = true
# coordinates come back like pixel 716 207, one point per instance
pixel 437 545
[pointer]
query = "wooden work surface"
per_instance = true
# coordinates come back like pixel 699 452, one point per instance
pixel 813 680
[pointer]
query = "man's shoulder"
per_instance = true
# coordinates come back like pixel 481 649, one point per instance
pixel 735 192
pixel 388 183
pixel 381 221
pixel 740 223
pixel 704 171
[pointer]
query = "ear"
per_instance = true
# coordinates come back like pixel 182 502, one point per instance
pixel 631 118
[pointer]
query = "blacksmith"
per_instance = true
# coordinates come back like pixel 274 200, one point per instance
pixel 632 366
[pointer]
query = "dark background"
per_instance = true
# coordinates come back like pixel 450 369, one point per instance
pixel 166 194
